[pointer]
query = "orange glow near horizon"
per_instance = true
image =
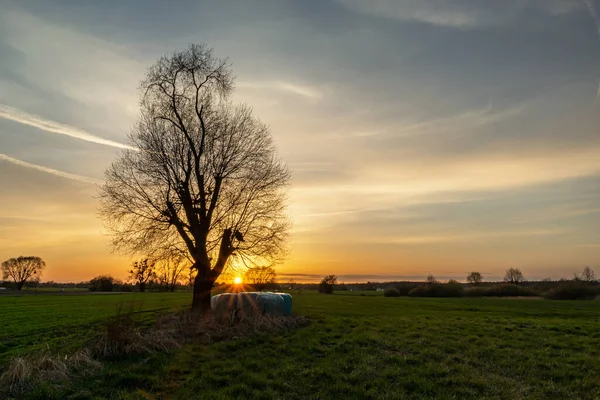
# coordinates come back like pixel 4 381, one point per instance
pixel 237 280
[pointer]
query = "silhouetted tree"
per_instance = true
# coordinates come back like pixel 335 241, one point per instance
pixel 23 270
pixel 514 275
pixel 168 273
pixel 142 272
pixel 260 277
pixel 431 279
pixel 474 278
pixel 588 275
pixel 327 284
pixel 202 178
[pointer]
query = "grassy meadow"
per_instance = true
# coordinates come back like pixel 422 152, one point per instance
pixel 358 346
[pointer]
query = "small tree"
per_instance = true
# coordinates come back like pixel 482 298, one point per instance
pixel 260 277
pixel 431 279
pixel 327 284
pixel 142 272
pixel 588 275
pixel 474 278
pixel 169 272
pixel 514 275
pixel 23 270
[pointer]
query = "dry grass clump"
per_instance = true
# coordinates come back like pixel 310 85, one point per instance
pixel 121 336
pixel 25 372
pixel 188 326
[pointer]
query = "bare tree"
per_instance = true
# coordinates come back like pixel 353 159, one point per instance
pixel 260 277
pixel 203 178
pixel 169 272
pixel 22 270
pixel 514 275
pixel 588 275
pixel 474 278
pixel 142 272
pixel 431 279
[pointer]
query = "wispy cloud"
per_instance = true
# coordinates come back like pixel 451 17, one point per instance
pixel 594 13
pixel 284 86
pixel 52 171
pixel 22 117
pixel 455 14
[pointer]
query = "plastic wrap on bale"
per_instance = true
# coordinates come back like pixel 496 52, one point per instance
pixel 249 303
pixel 224 303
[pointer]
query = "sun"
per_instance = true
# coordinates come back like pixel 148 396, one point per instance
pixel 237 280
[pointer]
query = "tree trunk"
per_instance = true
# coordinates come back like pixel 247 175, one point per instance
pixel 202 292
pixel 20 285
pixel 142 286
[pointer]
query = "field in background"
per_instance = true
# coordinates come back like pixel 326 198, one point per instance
pixel 358 346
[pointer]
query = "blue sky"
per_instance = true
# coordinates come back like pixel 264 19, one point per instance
pixel 424 136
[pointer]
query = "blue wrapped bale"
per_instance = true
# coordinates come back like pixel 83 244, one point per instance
pixel 287 303
pixel 249 303
pixel 270 303
pixel 224 303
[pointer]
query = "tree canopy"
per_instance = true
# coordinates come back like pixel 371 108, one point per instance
pixel 23 269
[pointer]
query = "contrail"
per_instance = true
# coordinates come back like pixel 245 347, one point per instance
pixel 56 172
pixel 22 117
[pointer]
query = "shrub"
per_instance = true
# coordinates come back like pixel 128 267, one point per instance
pixel 405 287
pixel 327 284
pixel 102 283
pixel 391 292
pixel 572 291
pixel 438 290
pixel 504 290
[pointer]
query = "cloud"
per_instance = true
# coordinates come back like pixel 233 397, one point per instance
pixel 460 237
pixel 592 9
pixel 22 117
pixel 464 14
pixel 52 171
pixel 283 86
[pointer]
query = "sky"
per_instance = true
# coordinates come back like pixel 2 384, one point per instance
pixel 424 137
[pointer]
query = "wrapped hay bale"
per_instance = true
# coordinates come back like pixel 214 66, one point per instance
pixel 248 303
pixel 270 303
pixel 287 303
pixel 224 303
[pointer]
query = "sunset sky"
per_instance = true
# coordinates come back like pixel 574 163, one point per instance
pixel 425 137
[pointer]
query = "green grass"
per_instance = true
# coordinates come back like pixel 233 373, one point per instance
pixel 362 347
pixel 62 322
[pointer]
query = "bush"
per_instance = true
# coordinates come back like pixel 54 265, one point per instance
pixel 504 290
pixel 102 283
pixel 391 292
pixel 327 284
pixel 405 287
pixel 572 291
pixel 438 290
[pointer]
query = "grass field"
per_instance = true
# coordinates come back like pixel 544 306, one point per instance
pixel 358 347
pixel 59 322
